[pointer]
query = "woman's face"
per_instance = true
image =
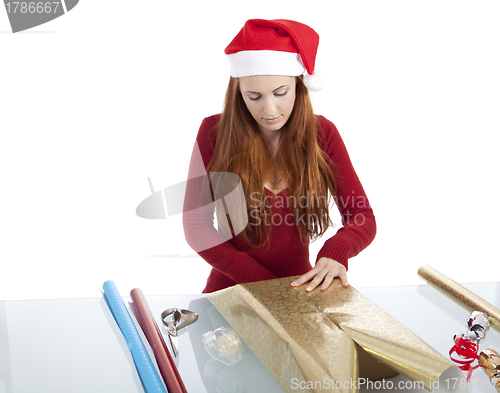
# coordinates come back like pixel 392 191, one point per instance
pixel 269 99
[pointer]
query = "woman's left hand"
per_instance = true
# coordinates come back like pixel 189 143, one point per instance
pixel 325 271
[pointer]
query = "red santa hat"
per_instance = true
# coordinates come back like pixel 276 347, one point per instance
pixel 275 47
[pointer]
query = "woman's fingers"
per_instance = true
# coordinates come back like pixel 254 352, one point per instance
pixel 304 278
pixel 327 281
pixel 325 271
pixel 343 278
pixel 318 279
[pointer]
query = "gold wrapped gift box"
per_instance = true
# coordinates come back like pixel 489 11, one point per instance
pixel 310 341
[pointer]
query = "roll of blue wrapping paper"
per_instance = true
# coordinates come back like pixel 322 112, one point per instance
pixel 151 381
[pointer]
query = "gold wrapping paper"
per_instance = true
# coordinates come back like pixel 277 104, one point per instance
pixel 459 294
pixel 490 360
pixel 301 336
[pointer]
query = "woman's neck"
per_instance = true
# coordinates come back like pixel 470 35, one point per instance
pixel 273 140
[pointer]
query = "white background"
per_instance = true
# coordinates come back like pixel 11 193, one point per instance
pixel 96 101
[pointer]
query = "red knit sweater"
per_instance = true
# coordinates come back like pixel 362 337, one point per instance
pixel 234 262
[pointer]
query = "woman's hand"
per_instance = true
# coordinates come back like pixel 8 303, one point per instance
pixel 325 271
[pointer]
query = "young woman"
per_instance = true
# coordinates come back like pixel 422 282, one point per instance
pixel 290 164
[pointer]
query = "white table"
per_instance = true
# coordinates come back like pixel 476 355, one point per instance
pixel 74 345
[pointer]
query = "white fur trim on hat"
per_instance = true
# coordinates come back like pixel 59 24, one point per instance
pixel 265 62
pixel 316 81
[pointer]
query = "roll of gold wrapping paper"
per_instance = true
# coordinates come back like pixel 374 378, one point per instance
pixel 456 292
pixel 490 359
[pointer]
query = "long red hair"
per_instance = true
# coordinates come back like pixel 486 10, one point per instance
pixel 240 149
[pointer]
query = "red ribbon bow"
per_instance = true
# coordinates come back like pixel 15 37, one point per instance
pixel 467 350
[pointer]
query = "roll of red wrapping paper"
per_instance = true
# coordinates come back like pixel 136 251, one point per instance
pixel 465 298
pixel 167 367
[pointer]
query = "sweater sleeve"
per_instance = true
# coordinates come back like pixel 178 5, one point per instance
pixel 358 221
pixel 198 218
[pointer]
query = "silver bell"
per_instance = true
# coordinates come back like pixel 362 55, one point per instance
pixel 471 336
pixel 478 323
pixel 477 320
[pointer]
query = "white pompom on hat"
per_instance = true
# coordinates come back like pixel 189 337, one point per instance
pixel 275 47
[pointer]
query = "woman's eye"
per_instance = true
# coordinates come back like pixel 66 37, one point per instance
pixel 281 94
pixel 254 98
